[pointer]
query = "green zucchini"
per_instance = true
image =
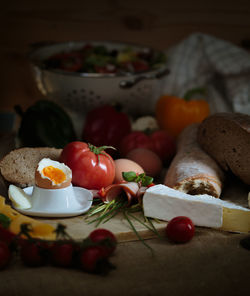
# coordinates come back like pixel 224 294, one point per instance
pixel 45 124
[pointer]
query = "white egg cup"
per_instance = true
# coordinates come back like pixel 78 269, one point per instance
pixel 65 202
pixel 58 199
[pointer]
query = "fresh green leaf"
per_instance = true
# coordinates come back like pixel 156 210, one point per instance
pixel 147 181
pixel 129 176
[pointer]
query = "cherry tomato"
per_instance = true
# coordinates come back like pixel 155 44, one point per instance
pixel 91 259
pixel 6 235
pixel 140 66
pixel 106 126
pixel 91 166
pixel 69 61
pixel 159 142
pixel 5 255
pixel 134 140
pixel 164 145
pixel 34 253
pixel 180 229
pixel 106 69
pixel 62 253
pixel 107 239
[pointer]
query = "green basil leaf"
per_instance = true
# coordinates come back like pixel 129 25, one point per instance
pixel 147 181
pixel 129 176
pixel 142 175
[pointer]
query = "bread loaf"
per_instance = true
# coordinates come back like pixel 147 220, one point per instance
pixel 192 170
pixel 226 138
pixel 18 166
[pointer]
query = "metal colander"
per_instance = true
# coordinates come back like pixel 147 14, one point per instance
pixel 81 92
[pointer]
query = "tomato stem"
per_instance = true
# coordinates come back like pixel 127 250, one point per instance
pixel 25 229
pixel 100 150
pixel 61 231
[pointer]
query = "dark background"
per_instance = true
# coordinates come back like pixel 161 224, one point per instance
pixel 154 23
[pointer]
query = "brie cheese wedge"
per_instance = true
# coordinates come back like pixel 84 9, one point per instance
pixel 165 203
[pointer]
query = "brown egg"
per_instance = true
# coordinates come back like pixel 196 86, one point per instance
pixel 147 159
pixel 51 174
pixel 125 165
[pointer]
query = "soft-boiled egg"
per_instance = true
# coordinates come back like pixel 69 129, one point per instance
pixel 51 174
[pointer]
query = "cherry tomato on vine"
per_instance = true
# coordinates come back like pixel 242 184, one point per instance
pixel 62 253
pixel 105 237
pixel 34 253
pixel 91 259
pixel 5 255
pixel 180 229
pixel 6 235
pixel 91 166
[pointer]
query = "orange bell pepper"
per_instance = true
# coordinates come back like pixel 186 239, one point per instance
pixel 174 114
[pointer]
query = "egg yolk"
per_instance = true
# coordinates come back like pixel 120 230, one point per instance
pixel 54 174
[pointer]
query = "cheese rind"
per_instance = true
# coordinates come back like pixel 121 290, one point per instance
pixel 165 203
pixel 236 220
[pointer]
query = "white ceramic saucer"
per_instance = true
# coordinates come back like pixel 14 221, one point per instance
pixel 83 196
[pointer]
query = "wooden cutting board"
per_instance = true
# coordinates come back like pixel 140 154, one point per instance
pixel 79 228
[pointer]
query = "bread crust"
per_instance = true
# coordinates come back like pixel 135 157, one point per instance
pixel 226 138
pixel 192 170
pixel 18 166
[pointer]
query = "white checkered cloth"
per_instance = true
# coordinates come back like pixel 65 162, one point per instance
pixel 219 66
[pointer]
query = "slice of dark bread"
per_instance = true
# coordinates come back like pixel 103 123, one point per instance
pixel 226 138
pixel 18 166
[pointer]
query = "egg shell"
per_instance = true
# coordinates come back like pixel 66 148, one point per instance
pixel 147 159
pixel 125 165
pixel 46 183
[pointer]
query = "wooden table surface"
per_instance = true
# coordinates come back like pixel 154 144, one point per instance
pixel 158 23
pixel 213 263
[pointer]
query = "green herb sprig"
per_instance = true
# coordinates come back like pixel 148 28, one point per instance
pixel 142 179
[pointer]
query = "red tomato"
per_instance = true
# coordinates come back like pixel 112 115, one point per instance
pixel 91 259
pixel 92 167
pixel 62 253
pixel 159 141
pixel 140 66
pixel 134 140
pixel 6 235
pixel 106 69
pixel 164 145
pixel 33 253
pixel 106 126
pixel 106 237
pixel 69 61
pixel 5 255
pixel 180 229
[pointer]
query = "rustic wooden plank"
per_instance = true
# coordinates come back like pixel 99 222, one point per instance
pixel 157 23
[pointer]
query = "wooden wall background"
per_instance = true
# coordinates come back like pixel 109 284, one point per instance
pixel 149 22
